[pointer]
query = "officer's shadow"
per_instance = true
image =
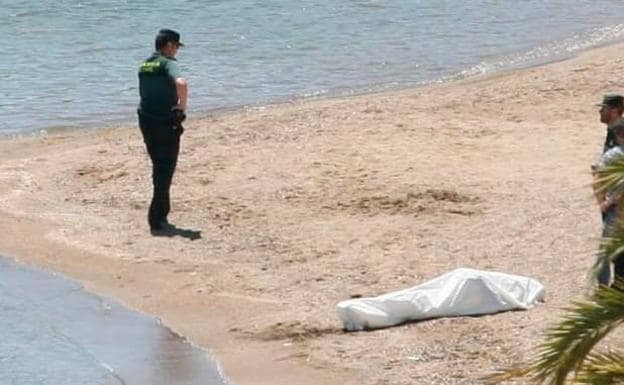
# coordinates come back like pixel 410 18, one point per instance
pixel 170 230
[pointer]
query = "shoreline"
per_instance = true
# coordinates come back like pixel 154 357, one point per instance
pixel 306 203
pixel 55 305
pixel 370 90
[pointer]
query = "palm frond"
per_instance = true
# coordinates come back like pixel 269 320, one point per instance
pixel 570 341
pixel 610 248
pixel 612 176
pixel 507 374
pixel 602 369
pixel 583 326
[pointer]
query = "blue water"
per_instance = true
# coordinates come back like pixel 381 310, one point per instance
pixel 73 63
pixel 53 332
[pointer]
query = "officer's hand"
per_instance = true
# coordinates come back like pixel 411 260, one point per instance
pixel 179 116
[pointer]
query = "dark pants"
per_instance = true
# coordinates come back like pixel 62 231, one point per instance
pixel 609 220
pixel 162 139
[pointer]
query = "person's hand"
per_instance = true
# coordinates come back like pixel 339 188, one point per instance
pixel 594 169
pixel 604 206
pixel 179 116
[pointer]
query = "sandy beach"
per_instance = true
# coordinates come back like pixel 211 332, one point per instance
pixel 304 204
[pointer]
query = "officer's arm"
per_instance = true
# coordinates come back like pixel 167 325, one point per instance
pixel 599 195
pixel 598 186
pixel 182 92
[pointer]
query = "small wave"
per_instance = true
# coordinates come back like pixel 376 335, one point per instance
pixel 372 5
pixel 315 93
pixel 30 13
pixel 545 53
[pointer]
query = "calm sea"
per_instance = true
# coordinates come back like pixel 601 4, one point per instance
pixel 52 332
pixel 68 63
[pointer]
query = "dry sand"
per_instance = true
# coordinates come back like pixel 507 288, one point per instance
pixel 304 204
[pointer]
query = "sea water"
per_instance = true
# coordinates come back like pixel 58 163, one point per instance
pixel 53 332
pixel 73 63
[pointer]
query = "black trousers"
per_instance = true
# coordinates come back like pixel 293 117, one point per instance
pixel 610 221
pixel 162 140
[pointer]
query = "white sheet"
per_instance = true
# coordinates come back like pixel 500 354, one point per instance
pixel 457 293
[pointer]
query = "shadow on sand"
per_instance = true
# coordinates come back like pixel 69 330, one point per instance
pixel 170 230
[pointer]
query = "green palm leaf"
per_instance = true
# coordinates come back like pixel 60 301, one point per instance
pixel 569 342
pixel 612 176
pixel 602 369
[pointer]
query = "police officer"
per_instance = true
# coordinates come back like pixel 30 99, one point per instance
pixel 161 111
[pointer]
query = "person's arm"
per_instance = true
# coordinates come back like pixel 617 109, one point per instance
pixel 173 71
pixel 182 92
pixel 597 186
pixel 598 183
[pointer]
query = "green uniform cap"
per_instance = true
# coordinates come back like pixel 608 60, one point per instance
pixel 612 100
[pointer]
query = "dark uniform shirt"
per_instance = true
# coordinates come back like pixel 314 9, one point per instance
pixel 609 141
pixel 157 85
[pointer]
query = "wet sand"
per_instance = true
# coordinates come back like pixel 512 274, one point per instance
pixel 301 205
pixel 54 332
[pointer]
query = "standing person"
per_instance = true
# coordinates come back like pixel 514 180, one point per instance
pixel 161 111
pixel 611 110
pixel 610 200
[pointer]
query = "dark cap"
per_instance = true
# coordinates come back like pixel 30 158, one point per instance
pixel 167 35
pixel 613 100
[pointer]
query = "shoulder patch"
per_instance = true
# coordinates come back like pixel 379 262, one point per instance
pixel 149 67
